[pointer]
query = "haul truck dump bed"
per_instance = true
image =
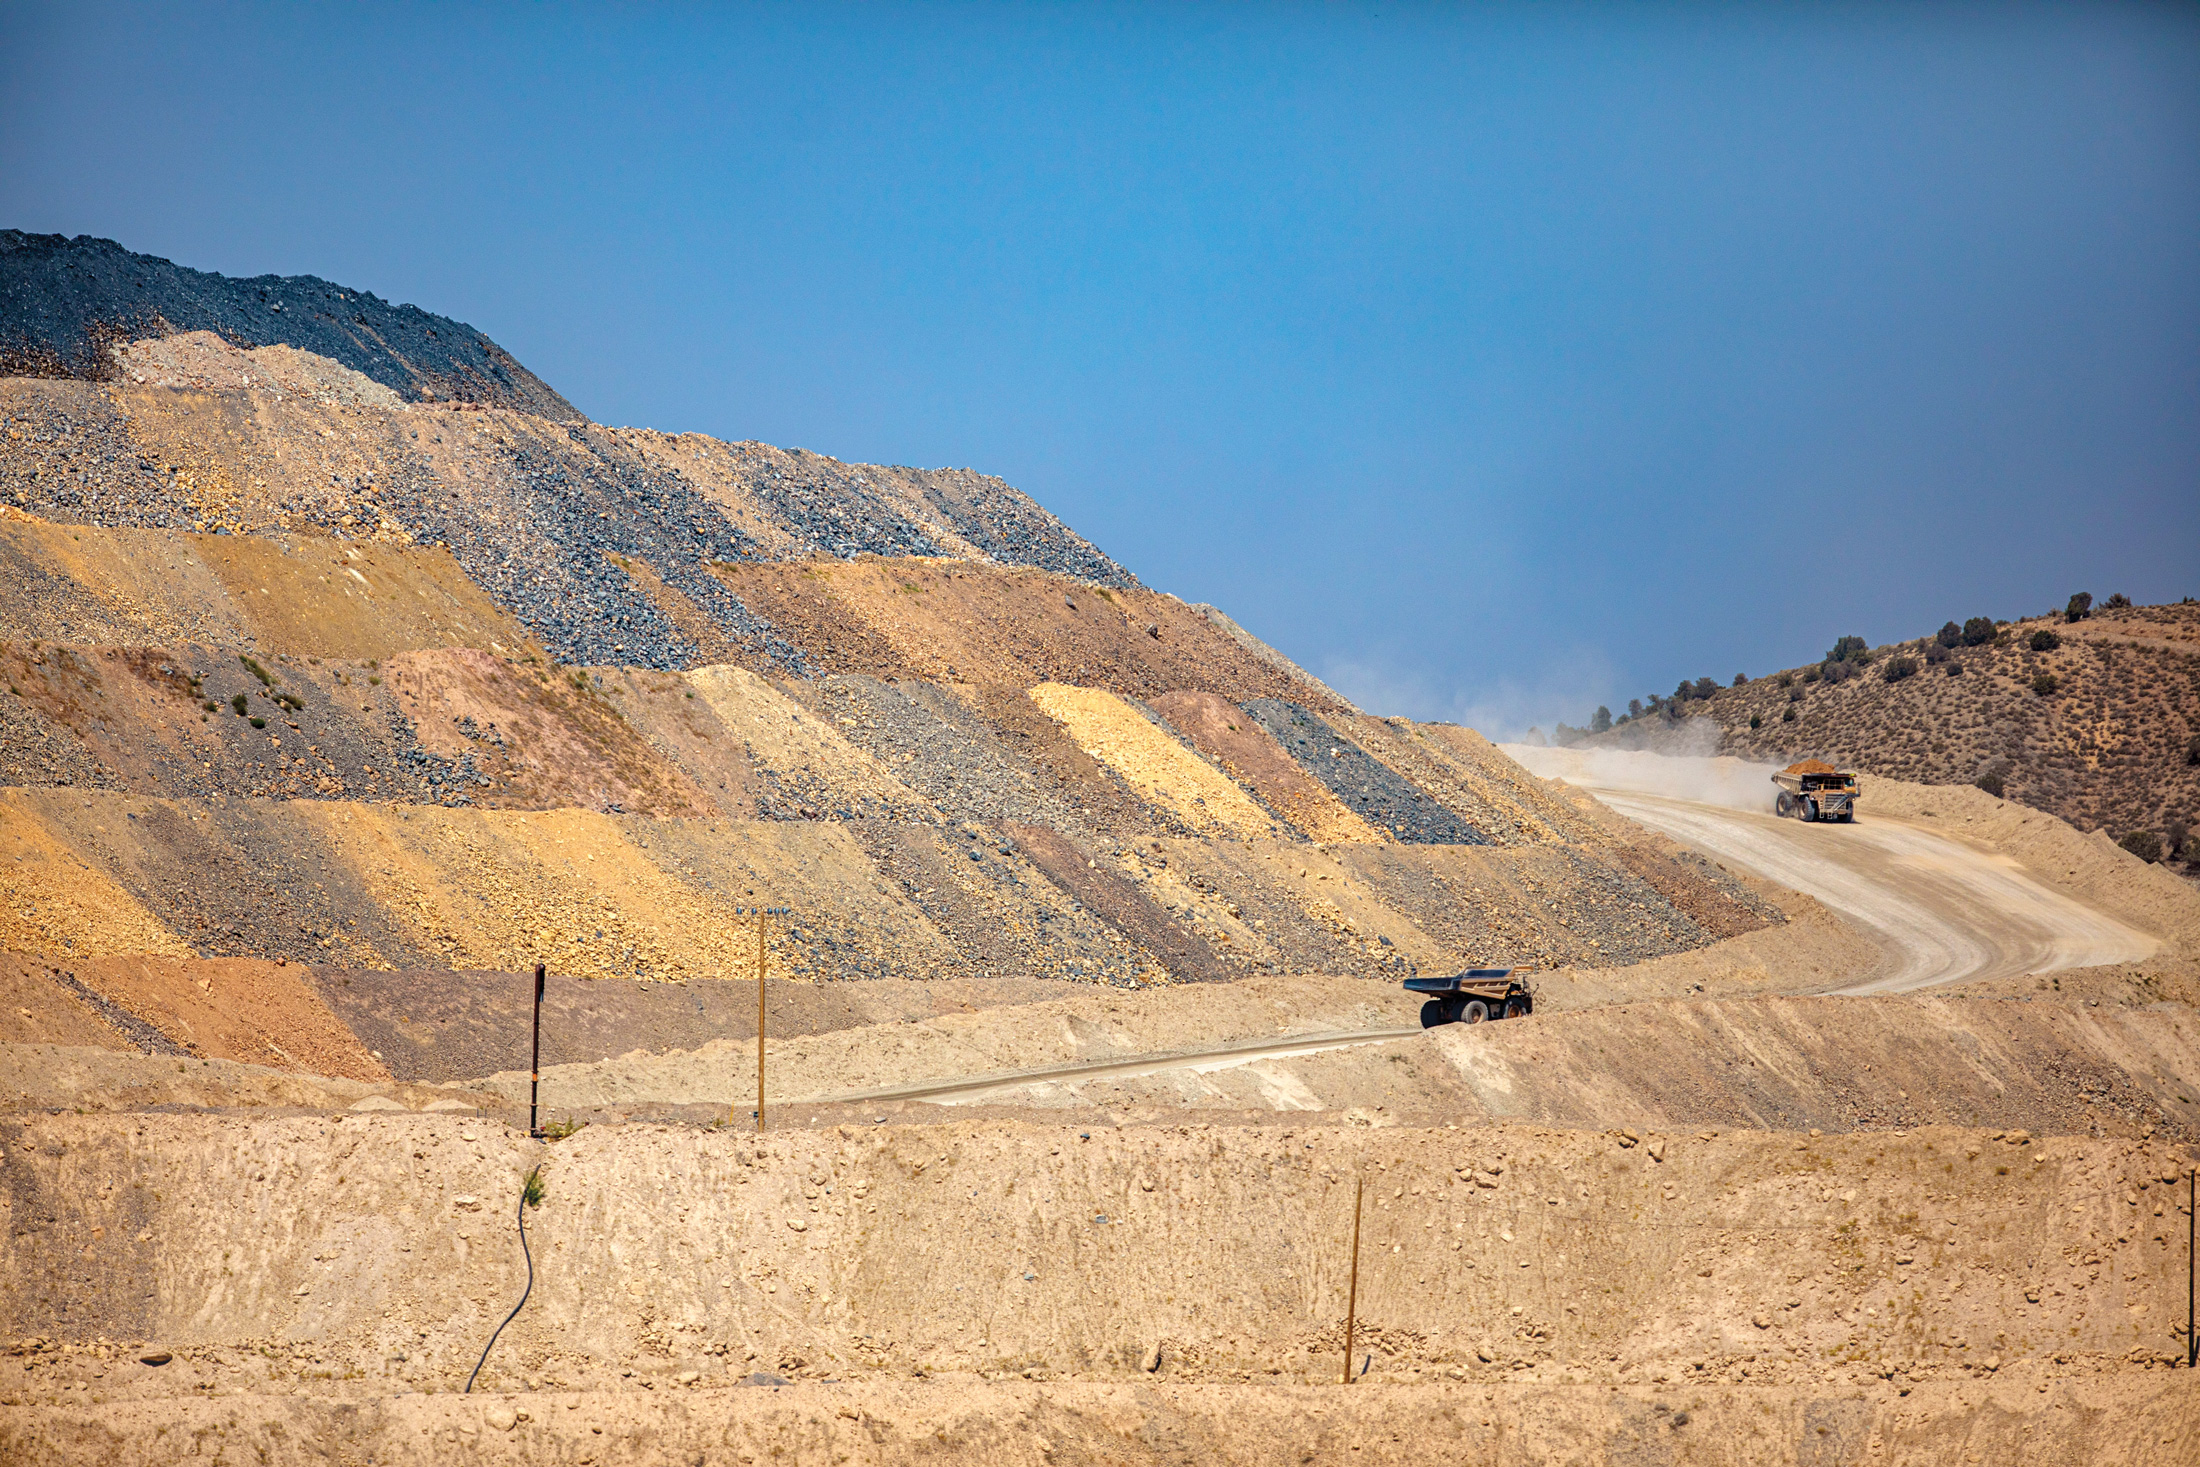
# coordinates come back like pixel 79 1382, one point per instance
pixel 1473 996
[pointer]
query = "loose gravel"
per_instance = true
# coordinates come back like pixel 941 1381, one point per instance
pixel 1369 788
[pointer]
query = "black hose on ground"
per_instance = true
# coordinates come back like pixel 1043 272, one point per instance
pixel 528 1186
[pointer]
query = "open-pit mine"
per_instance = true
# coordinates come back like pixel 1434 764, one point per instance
pixel 350 674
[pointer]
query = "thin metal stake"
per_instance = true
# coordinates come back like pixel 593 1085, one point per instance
pixel 534 1082
pixel 2192 1196
pixel 1352 1299
pixel 759 1018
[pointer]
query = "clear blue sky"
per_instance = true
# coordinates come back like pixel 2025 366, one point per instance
pixel 1494 362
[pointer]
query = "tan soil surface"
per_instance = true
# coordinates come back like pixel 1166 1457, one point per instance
pixel 2088 866
pixel 667 712
pixel 1677 1260
pixel 1160 769
pixel 1094 795
pixel 1541 812
pixel 804 768
pixel 2062 1415
pixel 53 904
pixel 100 1080
pixel 255 1012
pixel 436 1026
pixel 203 361
pixel 544 741
pixel 986 624
pixel 289 593
pixel 1243 750
pixel 1004 904
pixel 40 1006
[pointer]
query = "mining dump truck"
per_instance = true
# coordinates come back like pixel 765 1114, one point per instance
pixel 1475 995
pixel 1811 790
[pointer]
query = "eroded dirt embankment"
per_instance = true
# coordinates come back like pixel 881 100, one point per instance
pixel 2138 1419
pixel 364 1256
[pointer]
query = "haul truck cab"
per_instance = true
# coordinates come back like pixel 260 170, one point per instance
pixel 1475 995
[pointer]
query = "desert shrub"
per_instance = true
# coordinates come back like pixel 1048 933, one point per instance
pixel 1787 679
pixel 1634 707
pixel 2081 605
pixel 1741 679
pixel 291 701
pixel 2174 831
pixel 1787 715
pixel 1706 686
pixel 2192 750
pixel 1755 721
pixel 1936 653
pixel 1954 668
pixel 2144 844
pixel 239 702
pixel 2045 684
pixel 1601 720
pixel 1950 635
pixel 1795 694
pixel 2044 640
pixel 256 721
pixel 1978 631
pixel 1836 672
pixel 1991 782
pixel 1899 668
pixel 267 679
pixel 2117 602
pixel 1848 649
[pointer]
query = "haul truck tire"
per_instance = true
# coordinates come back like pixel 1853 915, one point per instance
pixel 1783 806
pixel 1432 1013
pixel 1516 1008
pixel 1807 810
pixel 1477 1011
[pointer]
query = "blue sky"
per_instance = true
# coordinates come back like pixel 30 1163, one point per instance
pixel 1494 361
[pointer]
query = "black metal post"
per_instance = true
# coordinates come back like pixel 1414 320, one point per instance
pixel 534 1082
pixel 2192 1197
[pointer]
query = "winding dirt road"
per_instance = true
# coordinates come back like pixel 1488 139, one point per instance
pixel 1202 1061
pixel 1940 910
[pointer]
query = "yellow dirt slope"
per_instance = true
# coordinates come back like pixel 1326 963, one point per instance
pixel 804 767
pixel 295 594
pixel 1159 768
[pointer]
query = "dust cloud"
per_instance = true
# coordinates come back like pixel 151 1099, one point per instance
pixel 1737 784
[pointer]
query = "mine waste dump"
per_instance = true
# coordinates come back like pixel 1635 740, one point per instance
pixel 351 674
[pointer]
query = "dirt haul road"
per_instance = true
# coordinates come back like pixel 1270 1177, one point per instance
pixel 1940 910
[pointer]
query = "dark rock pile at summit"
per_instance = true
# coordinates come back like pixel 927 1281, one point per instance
pixel 64 301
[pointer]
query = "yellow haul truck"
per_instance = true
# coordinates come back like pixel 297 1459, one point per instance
pixel 1812 790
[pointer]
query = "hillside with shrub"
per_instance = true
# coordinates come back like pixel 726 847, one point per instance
pixel 2091 713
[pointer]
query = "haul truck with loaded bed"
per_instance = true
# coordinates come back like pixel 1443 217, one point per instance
pixel 1811 790
pixel 1473 996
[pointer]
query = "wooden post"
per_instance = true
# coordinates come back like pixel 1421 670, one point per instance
pixel 759 1018
pixel 534 1082
pixel 1352 1298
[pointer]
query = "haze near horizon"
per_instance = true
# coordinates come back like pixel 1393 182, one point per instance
pixel 1493 364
